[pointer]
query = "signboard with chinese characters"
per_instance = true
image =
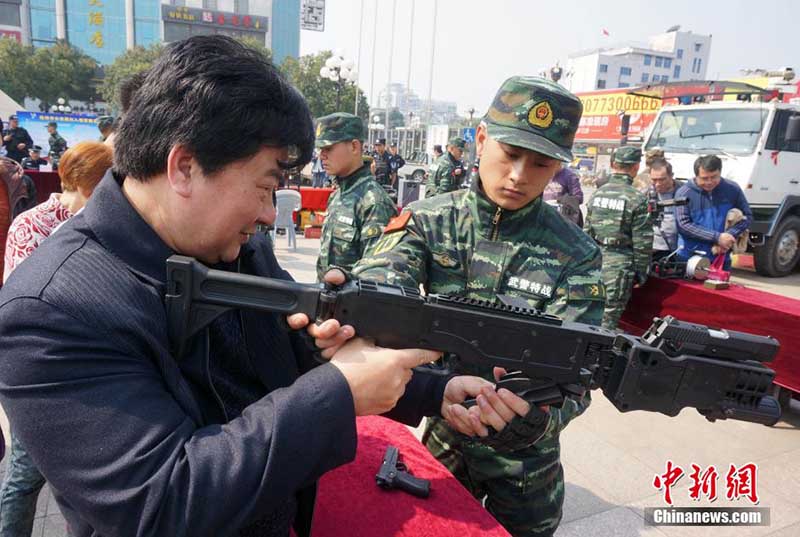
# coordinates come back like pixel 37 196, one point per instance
pixel 189 15
pixel 73 127
pixel 98 28
pixel 312 15
pixel 601 119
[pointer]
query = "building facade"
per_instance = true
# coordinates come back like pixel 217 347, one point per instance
pixel 668 57
pixel 105 29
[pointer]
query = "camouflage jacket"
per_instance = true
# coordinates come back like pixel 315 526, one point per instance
pixel 463 244
pixel 57 146
pixel 357 213
pixel 440 178
pixel 618 219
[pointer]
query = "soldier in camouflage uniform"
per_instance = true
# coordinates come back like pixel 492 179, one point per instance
pixel 57 144
pixel 500 241
pixel 619 221
pixel 360 207
pixel 447 173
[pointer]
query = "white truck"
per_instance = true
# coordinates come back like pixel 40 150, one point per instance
pixel 759 145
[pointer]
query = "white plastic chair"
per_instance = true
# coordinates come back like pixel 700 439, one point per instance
pixel 288 201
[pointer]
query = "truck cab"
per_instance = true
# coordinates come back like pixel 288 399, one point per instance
pixel 759 151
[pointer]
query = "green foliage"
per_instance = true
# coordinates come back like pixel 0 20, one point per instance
pixel 257 45
pixel 321 93
pixel 15 79
pixel 125 66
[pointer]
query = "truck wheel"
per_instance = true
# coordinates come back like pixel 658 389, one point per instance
pixel 781 251
pixel 418 175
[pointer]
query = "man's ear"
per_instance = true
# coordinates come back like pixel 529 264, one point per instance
pixel 182 168
pixel 480 139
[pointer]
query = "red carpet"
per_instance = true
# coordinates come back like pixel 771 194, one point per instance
pixel 350 504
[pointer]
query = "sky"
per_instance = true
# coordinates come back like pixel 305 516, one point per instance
pixel 480 43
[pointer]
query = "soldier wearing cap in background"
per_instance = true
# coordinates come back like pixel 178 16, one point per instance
pixel 105 124
pixel 360 207
pixel 642 181
pixel 499 241
pixel 380 162
pixel 396 161
pixel 447 173
pixel 57 144
pixel 16 140
pixel 34 159
pixel 618 219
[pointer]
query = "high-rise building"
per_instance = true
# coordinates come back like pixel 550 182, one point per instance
pixel 104 29
pixel 668 57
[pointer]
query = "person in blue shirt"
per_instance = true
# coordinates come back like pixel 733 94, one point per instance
pixel 701 223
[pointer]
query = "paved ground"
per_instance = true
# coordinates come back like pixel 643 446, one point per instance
pixel 610 459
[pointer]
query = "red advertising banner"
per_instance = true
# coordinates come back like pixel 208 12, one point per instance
pixel 602 112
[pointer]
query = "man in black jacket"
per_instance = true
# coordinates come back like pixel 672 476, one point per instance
pixel 230 438
pixel 16 140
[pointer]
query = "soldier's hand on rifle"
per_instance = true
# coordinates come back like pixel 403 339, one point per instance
pixel 458 390
pixel 377 376
pixel 330 335
pixel 498 408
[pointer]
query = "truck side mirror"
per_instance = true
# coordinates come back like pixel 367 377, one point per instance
pixel 793 129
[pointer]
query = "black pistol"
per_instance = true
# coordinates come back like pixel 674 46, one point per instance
pixel 393 474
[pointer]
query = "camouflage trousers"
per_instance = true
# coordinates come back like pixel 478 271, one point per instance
pixel 523 490
pixel 618 279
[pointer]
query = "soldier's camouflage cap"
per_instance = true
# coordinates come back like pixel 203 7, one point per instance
pixel 627 155
pixel 338 127
pixel 104 122
pixel 458 142
pixel 536 114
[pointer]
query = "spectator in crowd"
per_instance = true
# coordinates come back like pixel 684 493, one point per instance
pixel 380 164
pixel 26 201
pixel 57 144
pixel 34 159
pixel 8 176
pixel 136 440
pixel 437 151
pixel 81 169
pixel 16 140
pixel 317 171
pixel 447 173
pixel 105 124
pixel 701 223
pixel 565 190
pixel 665 228
pixel 642 181
pixel 395 163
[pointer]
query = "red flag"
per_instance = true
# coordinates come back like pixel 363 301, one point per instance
pixel 605 32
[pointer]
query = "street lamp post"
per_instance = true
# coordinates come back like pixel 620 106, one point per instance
pixel 339 70
pixel 471 113
pixel 62 106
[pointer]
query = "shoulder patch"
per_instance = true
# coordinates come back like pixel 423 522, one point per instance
pixel 586 291
pixel 398 223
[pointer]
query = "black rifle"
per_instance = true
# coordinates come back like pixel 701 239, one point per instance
pixel 393 474
pixel 672 366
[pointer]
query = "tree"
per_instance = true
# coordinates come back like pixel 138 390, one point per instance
pixel 61 71
pixel 257 45
pixel 15 75
pixel 321 93
pixel 396 118
pixel 125 66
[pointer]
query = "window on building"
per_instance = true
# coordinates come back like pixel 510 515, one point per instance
pixel 241 6
pixel 667 62
pixel 664 78
pixel 645 77
pixel 179 3
pixel 624 71
pixel 659 61
pixel 680 53
pixel 647 59
pixel 603 68
pixel 624 85
pixel 699 64
pixel 676 73
pixel 9 14
pixel 601 84
pixel 694 65
pixel 210 4
pixel 656 78
pixel 175 32
pixel 697 47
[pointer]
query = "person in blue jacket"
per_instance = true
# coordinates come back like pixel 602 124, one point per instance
pixel 701 223
pixel 230 437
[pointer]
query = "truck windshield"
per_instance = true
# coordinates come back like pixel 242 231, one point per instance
pixel 707 130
